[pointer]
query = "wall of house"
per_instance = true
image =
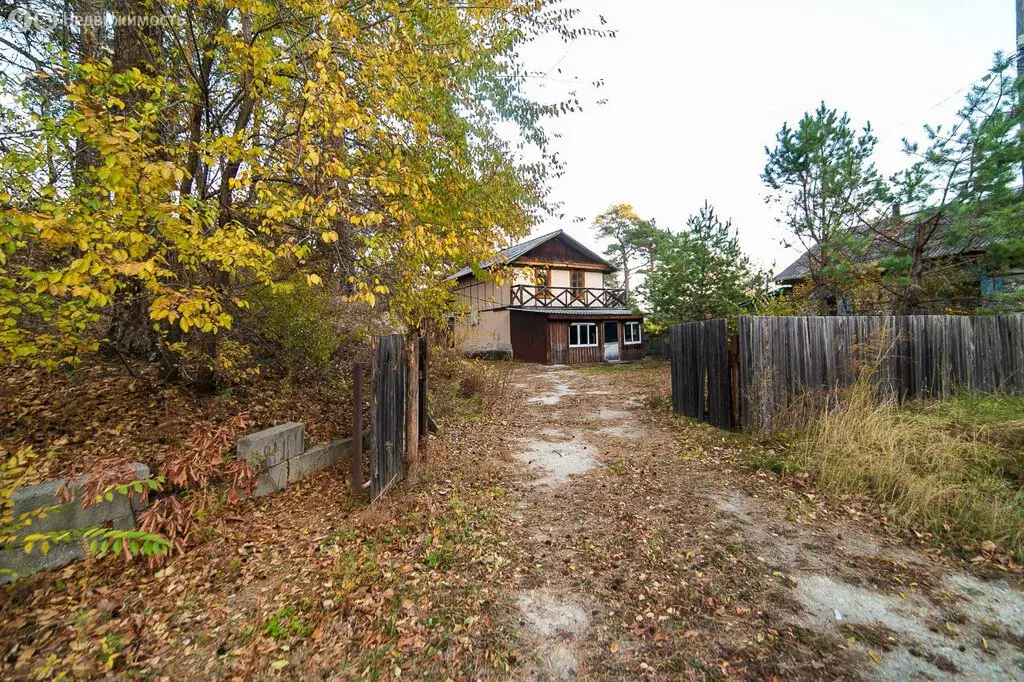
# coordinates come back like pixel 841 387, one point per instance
pixel 484 333
pixel 561 354
pixel 478 295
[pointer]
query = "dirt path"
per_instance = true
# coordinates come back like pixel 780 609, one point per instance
pixel 651 551
pixel 576 530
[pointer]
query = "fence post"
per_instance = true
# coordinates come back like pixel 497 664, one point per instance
pixel 424 363
pixel 412 400
pixel 734 379
pixel 357 429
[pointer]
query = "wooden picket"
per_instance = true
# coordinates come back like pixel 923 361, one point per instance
pixel 782 358
pixel 388 417
pixel 701 379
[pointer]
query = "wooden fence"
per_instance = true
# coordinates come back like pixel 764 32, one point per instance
pixel 701 376
pixel 387 410
pixel 399 417
pixel 656 346
pixel 775 360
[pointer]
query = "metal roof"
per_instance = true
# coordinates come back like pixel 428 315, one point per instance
pixel 579 312
pixel 513 253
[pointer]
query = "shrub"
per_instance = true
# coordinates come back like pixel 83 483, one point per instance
pixel 465 389
pixel 297 326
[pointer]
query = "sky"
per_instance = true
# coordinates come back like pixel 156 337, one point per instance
pixel 696 90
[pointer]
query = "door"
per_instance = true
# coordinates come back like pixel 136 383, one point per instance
pixel 611 341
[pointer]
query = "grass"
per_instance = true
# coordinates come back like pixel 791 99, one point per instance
pixel 286 623
pixel 464 390
pixel 953 467
pixel 605 368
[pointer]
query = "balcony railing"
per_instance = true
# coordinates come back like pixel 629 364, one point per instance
pixel 527 295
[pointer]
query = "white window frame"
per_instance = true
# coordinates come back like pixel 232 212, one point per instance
pixel 625 333
pixel 582 326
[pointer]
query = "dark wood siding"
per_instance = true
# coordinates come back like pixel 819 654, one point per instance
pixel 558 251
pixel 529 336
pixel 632 352
pixel 561 354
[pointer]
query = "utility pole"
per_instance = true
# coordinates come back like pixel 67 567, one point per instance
pixel 1020 56
pixel 1020 38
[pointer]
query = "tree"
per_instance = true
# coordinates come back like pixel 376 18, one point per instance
pixel 701 273
pixel 963 190
pixel 232 148
pixel 822 174
pixel 647 240
pixel 620 224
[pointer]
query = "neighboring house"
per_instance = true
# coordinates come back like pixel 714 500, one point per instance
pixel 553 307
pixel 966 258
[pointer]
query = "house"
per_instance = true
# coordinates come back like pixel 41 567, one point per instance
pixel 960 264
pixel 551 308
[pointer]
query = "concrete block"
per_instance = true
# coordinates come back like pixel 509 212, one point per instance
pixel 15 562
pixel 271 480
pixel 317 458
pixel 72 514
pixel 119 513
pixel 270 447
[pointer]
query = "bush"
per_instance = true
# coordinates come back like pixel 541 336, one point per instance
pixel 462 389
pixel 297 327
pixel 949 481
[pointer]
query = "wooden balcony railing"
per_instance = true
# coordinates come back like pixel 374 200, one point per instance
pixel 526 295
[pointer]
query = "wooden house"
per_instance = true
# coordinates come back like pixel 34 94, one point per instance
pixel 552 307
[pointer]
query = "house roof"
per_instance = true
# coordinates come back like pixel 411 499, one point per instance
pixel 579 312
pixel 514 253
pixel 880 248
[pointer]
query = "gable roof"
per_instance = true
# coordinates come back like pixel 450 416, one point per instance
pixel 514 253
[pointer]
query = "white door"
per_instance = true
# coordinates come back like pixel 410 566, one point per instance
pixel 611 341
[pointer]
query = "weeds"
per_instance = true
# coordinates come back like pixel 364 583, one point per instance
pixel 286 623
pixel 949 481
pixel 466 390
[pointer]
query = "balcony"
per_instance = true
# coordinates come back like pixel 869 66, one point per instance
pixel 530 296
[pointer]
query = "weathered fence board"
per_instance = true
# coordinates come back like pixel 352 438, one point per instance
pixel 782 358
pixel 701 377
pixel 388 413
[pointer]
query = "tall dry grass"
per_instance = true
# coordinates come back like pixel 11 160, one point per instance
pixel 950 482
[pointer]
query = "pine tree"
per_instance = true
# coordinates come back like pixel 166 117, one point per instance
pixel 701 273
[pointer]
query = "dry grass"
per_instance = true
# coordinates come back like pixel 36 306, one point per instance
pixel 950 481
pixel 463 389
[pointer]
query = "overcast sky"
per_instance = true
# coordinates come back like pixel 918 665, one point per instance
pixel 696 90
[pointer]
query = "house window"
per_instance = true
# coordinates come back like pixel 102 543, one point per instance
pixel 543 283
pixel 582 335
pixel 631 333
pixel 576 284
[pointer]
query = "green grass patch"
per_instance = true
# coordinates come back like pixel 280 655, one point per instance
pixel 285 624
pixel 970 410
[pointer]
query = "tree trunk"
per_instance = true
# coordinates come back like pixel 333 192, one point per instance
pixel 207 380
pixel 90 45
pixel 625 272
pixel 135 47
